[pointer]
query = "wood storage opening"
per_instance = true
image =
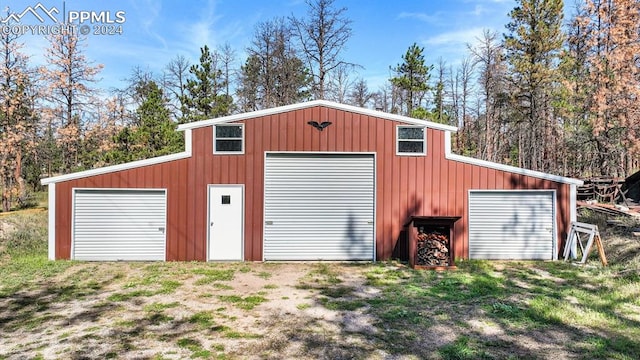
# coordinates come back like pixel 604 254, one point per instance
pixel 431 242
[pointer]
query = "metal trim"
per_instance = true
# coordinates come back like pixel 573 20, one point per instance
pixel 508 168
pixel 309 104
pixel 126 166
pixel 51 208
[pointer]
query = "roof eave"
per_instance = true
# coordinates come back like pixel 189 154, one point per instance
pixel 507 168
pixel 125 166
pixel 325 103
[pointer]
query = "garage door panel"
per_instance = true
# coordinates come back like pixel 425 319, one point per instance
pixel 511 225
pixel 319 207
pixel 111 224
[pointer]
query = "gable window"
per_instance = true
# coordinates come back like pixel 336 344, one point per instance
pixel 410 140
pixel 228 139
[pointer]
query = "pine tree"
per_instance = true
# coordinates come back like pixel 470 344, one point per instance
pixel 153 133
pixel 156 132
pixel 441 111
pixel 17 120
pixel 204 96
pixel 412 78
pixel 532 48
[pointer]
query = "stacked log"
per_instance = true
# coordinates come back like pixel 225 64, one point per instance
pixel 432 249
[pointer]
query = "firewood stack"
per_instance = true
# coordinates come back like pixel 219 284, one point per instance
pixel 432 249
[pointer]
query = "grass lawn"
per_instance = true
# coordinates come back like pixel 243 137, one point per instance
pixel 483 310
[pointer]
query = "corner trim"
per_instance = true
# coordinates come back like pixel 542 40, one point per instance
pixel 52 221
pixel 573 211
pixel 513 169
pixel 573 202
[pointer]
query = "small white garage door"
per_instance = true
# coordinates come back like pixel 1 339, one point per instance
pixel 319 207
pixel 511 225
pixel 113 224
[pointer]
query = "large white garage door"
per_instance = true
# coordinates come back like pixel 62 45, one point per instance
pixel 511 225
pixel 319 207
pixel 111 224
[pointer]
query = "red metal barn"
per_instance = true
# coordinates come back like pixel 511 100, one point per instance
pixel 310 181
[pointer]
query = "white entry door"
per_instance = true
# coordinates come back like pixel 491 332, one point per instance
pixel 226 224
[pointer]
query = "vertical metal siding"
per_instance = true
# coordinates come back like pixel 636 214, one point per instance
pixel 511 225
pixel 119 225
pixel 422 185
pixel 319 207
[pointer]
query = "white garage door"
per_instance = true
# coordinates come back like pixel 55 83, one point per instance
pixel 111 224
pixel 511 225
pixel 319 207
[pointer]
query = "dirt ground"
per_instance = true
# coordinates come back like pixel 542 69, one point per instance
pixel 176 311
pixel 87 321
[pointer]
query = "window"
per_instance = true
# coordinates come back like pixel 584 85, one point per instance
pixel 228 139
pixel 410 140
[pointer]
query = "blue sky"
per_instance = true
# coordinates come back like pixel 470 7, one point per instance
pixel 156 31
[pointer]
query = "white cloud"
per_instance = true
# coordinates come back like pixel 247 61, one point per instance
pixel 148 13
pixel 455 37
pixel 479 10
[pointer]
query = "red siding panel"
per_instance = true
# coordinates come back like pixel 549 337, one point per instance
pixel 406 185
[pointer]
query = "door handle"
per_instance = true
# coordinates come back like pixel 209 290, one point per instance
pixel 211 224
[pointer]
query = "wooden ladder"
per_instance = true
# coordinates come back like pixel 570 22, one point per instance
pixel 574 240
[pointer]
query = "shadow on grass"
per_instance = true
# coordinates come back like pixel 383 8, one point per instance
pixel 30 309
pixel 529 310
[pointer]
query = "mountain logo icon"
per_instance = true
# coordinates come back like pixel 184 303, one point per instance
pixel 39 11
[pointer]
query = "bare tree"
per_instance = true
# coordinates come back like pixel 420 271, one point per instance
pixel 176 73
pixel 383 99
pixel 273 74
pixel 489 56
pixel 462 90
pixel 227 58
pixel 360 94
pixel 339 85
pixel 322 37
